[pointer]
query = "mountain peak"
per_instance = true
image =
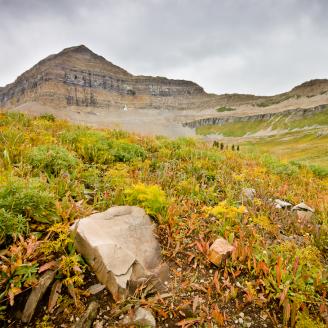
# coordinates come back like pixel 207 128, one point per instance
pixel 81 57
pixel 77 49
pixel 312 87
pixel 77 76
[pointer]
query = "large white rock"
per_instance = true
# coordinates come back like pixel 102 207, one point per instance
pixel 120 246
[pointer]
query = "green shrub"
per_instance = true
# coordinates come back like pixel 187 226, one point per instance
pixel 319 171
pixel 91 177
pixel 48 117
pixel 278 167
pixel 92 146
pixel 15 118
pixel 117 134
pixel 29 199
pixel 152 198
pixel 12 145
pixel 52 159
pixel 225 109
pixel 12 225
pixel 301 269
pixel 304 321
pixel 126 152
pixel 96 147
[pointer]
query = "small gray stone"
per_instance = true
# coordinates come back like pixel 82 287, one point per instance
pixel 98 324
pixel 141 318
pixel 303 207
pixel 95 289
pixel 282 204
pixel 88 317
pixel 248 193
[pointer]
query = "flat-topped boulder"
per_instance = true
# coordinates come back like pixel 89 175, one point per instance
pixel 120 246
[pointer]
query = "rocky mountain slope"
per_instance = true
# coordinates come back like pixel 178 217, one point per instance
pixel 78 77
pixel 81 86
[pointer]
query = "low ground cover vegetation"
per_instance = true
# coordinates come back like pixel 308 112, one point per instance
pixel 52 173
pixel 225 109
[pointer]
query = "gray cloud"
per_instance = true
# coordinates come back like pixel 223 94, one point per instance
pixel 246 46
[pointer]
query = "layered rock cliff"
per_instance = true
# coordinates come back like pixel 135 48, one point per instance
pixel 78 77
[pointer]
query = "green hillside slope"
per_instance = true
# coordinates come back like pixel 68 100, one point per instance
pixel 278 122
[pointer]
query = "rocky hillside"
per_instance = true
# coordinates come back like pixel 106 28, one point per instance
pixel 78 77
pixel 81 86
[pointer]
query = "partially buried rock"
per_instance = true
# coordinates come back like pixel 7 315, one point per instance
pixel 95 289
pixel 120 246
pixel 220 250
pixel 304 213
pixel 36 295
pixel 282 204
pixel 248 194
pixel 303 207
pixel 88 317
pixel 141 318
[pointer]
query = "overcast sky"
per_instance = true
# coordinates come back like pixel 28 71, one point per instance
pixel 245 46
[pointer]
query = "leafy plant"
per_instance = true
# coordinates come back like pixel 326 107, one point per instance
pixel 223 211
pixel 305 321
pixel 126 152
pixel 52 159
pixel 18 270
pixel 92 146
pixel 152 198
pixel 29 199
pixel 12 225
pixel 48 117
pixel 60 242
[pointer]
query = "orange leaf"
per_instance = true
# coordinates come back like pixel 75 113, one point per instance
pixel 283 295
pixel 278 270
pixel 286 312
pixel 263 267
pixel 199 246
pixel 218 316
pixel 162 313
pixel 55 292
pixel 185 323
pixel 47 266
pixel 195 303
pixel 216 281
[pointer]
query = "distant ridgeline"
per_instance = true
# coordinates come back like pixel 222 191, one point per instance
pixel 296 113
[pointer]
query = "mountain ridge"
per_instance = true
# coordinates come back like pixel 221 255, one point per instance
pixel 81 59
pixel 76 80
